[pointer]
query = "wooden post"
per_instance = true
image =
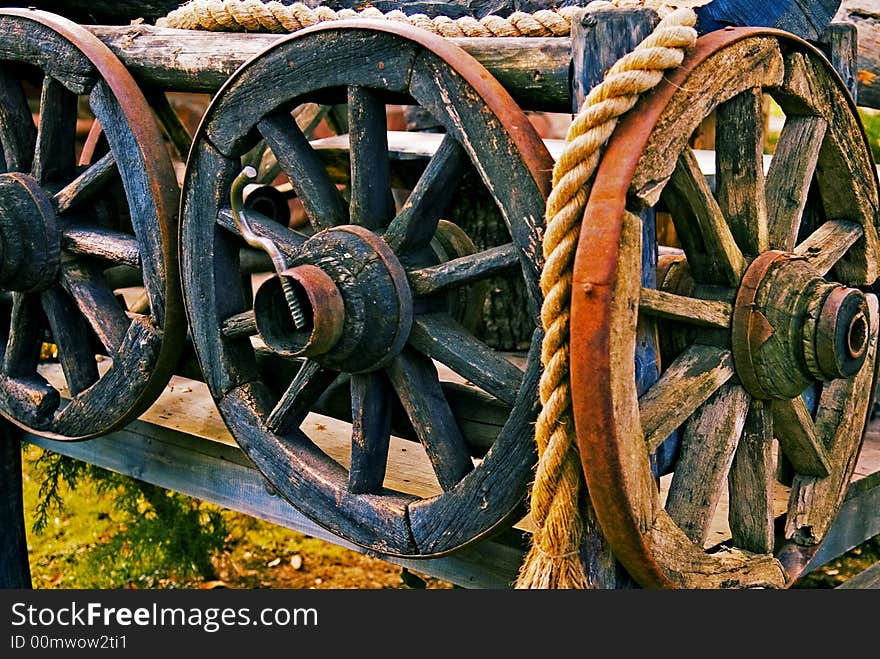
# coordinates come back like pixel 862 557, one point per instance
pixel 14 567
pixel 597 43
pixel 840 42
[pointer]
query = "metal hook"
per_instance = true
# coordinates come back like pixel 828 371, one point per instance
pixel 236 200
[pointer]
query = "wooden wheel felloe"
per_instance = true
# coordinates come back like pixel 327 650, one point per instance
pixel 763 328
pixel 384 333
pixel 64 225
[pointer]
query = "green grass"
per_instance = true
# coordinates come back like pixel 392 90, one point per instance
pixel 91 528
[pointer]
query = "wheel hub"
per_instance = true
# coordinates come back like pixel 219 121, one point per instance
pixel 355 296
pixel 792 327
pixel 30 243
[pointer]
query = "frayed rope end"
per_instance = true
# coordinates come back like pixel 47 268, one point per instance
pixel 541 571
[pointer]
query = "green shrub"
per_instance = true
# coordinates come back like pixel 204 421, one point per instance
pixel 160 533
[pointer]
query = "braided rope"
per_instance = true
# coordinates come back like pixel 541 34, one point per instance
pixel 553 560
pixel 258 16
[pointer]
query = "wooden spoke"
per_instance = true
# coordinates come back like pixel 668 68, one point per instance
pixel 23 344
pixel 798 438
pixel 113 246
pixel 707 448
pixel 18 135
pixel 321 200
pixel 371 398
pixel 241 324
pixel 55 157
pixel 689 381
pixel 464 270
pixel 739 169
pixel 85 284
pixel 440 337
pixel 712 252
pixel 750 483
pixel 287 240
pixel 416 223
pixel 307 386
pixel 789 177
pixel 73 338
pixel 706 313
pixel 372 205
pixel 170 121
pixel 828 244
pixel 415 380
pixel 85 186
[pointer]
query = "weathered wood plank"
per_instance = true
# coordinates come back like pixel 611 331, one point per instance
pixel 116 247
pixel 798 437
pixel 706 313
pixel 750 483
pixel 440 337
pixel 321 200
pixel 372 204
pixel 416 222
pixel 464 270
pixel 23 343
pixel 845 172
pixel 371 397
pixel 789 177
pixel 739 170
pixel 55 159
pixel 18 135
pixel 713 255
pixel 415 380
pixel 707 448
pixel 689 382
pixel 85 186
pixel 306 387
pixel 73 337
pixel 85 284
pixel 840 42
pixel 827 244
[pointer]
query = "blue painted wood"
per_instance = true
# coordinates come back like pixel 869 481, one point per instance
pixel 14 567
pixel 804 18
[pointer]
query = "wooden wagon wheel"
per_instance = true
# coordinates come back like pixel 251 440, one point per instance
pixel 375 298
pixel 59 235
pixel 759 319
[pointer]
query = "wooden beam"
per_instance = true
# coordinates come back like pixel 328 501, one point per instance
pixel 14 566
pixel 533 69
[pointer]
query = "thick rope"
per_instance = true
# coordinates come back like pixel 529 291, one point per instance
pixel 553 560
pixel 257 16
